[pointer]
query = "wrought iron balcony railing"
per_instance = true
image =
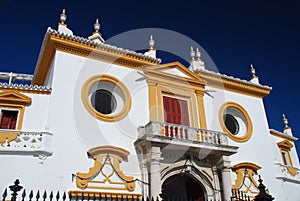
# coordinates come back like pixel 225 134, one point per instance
pixel 26 143
pixel 181 132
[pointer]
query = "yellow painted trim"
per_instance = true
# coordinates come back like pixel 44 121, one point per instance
pixel 70 46
pixel 292 171
pixel 201 110
pixel 285 146
pixel 177 65
pixel 103 195
pixel 283 136
pixel 246 165
pixel 189 88
pixel 15 107
pixel 249 131
pixel 123 153
pixel 106 155
pixel 234 85
pixel 8 137
pixel 106 117
pixel 240 169
pixel 14 97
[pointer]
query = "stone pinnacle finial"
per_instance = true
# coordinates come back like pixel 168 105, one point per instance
pixel 63 17
pixel 285 121
pixel 198 54
pixel 97 26
pixel 192 53
pixel 252 70
pixel 151 42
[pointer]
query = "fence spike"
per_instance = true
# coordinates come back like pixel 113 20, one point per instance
pixel 82 197
pixel 44 195
pixel 100 197
pixel 37 195
pixel 4 195
pixel 76 197
pixel 23 195
pixel 64 196
pixel 94 197
pixel 51 195
pixel 88 197
pixel 57 196
pixel 70 196
pixel 30 195
pixel 116 198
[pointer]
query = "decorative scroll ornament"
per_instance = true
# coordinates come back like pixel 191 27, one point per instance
pixel 106 168
pixel 245 181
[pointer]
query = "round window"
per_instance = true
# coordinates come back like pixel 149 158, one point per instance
pixel 106 98
pixel 104 101
pixel 231 124
pixel 235 121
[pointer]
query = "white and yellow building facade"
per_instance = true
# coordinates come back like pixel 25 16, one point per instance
pixel 98 118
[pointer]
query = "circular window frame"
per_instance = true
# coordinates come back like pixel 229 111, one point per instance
pixel 248 133
pixel 87 103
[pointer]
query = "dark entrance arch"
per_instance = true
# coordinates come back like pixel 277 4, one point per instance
pixel 182 187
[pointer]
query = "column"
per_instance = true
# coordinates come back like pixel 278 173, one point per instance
pixel 226 178
pixel 217 183
pixel 201 110
pixel 153 101
pixel 155 182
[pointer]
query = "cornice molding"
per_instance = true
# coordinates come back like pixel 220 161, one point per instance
pixel 55 41
pixel 234 85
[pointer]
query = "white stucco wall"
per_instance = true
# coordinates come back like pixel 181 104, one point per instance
pixel 260 149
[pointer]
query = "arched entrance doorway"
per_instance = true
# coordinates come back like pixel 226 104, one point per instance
pixel 183 187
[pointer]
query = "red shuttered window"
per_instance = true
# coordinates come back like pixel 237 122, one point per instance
pixel 176 111
pixel 8 119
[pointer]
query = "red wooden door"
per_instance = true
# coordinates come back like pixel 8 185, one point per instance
pixel 8 119
pixel 176 111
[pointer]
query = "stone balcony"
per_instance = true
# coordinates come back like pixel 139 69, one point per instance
pixel 184 136
pixel 288 173
pixel 15 142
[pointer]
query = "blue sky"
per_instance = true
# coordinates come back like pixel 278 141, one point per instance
pixel 234 34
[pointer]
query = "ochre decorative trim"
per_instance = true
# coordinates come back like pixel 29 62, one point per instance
pixel 190 88
pixel 123 153
pixel 233 85
pixel 285 147
pixel 55 42
pixel 102 195
pixel 14 97
pixel 249 125
pixel 105 117
pixel 282 135
pixel 13 100
pixel 7 137
pixel 246 170
pixel 110 156
pixel 285 144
